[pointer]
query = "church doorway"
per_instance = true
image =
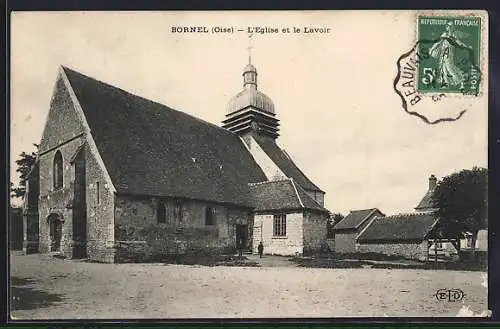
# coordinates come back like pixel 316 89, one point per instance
pixel 242 236
pixel 55 231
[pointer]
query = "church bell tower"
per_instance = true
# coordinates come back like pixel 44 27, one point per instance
pixel 251 111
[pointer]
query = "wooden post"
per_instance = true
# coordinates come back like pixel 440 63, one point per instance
pixel 435 253
pixel 427 253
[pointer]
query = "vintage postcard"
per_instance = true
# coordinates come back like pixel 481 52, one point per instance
pixel 243 165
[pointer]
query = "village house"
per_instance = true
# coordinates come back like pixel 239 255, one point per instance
pixel 408 235
pixel 347 230
pixel 443 247
pixel 426 205
pixel 119 177
pixel 405 235
pixel 286 219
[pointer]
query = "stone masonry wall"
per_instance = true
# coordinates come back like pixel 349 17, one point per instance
pixel 139 237
pixel 345 242
pixel 416 251
pixel 291 244
pixel 314 227
pixel 100 213
pixel 100 230
pixel 57 201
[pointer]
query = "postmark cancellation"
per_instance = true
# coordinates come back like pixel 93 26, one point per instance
pixel 440 77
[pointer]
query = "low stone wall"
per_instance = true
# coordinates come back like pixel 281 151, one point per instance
pixel 417 251
pixel 138 236
pixel 155 242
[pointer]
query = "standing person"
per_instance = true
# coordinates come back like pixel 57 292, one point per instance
pixel 261 249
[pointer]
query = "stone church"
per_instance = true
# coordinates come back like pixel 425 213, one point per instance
pixel 120 177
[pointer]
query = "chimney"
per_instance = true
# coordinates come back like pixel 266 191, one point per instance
pixel 432 182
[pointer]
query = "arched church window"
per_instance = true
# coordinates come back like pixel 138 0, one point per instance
pixel 58 170
pixel 161 215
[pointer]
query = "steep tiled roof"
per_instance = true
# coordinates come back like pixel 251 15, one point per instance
pixel 281 195
pixel 151 149
pixel 427 202
pixel 402 227
pixel 285 163
pixel 355 218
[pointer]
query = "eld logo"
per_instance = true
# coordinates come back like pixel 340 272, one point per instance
pixel 449 295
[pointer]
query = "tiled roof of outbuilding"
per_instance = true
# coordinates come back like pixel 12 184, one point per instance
pixel 355 218
pixel 402 227
pixel 151 149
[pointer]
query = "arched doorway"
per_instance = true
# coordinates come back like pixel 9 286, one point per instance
pixel 55 231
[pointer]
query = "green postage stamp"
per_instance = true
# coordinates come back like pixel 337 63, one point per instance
pixel 449 49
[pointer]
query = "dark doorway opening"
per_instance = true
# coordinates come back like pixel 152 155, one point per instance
pixel 242 237
pixel 55 228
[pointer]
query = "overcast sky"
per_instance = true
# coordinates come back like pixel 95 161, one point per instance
pixel 341 120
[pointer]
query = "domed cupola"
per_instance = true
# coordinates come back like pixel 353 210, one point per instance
pixel 251 110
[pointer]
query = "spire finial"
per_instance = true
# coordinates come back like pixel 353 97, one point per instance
pixel 249 72
pixel 250 48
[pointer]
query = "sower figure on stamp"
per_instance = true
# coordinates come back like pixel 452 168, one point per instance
pixel 443 50
pixel 261 249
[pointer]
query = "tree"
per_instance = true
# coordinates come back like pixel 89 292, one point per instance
pixel 462 202
pixel 334 219
pixel 24 165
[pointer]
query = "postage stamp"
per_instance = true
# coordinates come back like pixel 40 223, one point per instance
pixel 450 49
pixel 442 76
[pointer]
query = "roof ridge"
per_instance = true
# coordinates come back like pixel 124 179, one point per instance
pixel 408 214
pixel 425 213
pixel 270 181
pixel 371 209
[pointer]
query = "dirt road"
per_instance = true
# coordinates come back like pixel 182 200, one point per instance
pixel 48 288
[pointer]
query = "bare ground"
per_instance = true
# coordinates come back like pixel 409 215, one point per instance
pixel 44 287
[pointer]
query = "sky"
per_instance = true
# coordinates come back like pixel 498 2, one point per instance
pixel 341 120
